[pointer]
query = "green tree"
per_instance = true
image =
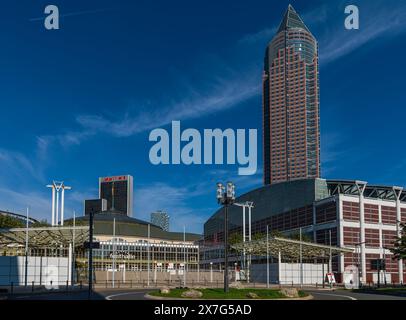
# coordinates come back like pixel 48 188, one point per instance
pixel 10 222
pixel 234 238
pixel 296 236
pixel 399 249
pixel 77 223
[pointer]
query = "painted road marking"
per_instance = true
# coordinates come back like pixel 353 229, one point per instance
pixel 337 295
pixel 124 294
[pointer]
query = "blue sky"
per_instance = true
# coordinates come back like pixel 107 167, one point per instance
pixel 80 102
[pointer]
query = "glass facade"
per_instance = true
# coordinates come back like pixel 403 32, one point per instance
pixel 135 255
pixel 118 191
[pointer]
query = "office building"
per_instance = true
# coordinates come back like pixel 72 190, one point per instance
pixel 118 191
pixel 291 103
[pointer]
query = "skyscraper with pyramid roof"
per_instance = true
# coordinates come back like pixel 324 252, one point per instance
pixel 291 125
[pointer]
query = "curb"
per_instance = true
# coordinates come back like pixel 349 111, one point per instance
pixel 147 296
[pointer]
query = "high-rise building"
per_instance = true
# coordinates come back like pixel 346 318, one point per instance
pixel 161 219
pixel 291 130
pixel 118 191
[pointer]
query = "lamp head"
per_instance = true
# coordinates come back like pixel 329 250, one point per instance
pixel 220 189
pixel 230 191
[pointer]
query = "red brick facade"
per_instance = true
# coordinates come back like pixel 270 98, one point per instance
pixel 388 215
pixel 371 213
pixel 372 238
pixel 403 215
pixel 351 236
pixel 388 237
pixel 350 211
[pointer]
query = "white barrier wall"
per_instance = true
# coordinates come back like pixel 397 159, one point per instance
pixel 41 270
pixel 288 273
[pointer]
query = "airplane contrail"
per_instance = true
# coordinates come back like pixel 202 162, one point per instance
pixel 70 14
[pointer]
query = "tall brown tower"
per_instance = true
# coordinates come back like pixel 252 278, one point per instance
pixel 291 130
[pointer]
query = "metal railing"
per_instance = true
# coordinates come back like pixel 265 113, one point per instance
pixel 16 289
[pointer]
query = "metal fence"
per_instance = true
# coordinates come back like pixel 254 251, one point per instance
pixel 14 289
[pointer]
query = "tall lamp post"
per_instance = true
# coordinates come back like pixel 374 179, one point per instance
pixel 90 271
pixel 226 197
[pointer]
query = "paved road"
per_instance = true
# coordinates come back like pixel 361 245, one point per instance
pixel 348 295
pixel 138 294
pixel 117 294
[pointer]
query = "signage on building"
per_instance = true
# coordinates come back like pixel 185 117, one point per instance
pixel 116 178
pixel 330 278
pixel 171 269
pixel 122 255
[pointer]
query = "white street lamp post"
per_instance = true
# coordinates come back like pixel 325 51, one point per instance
pixel 267 256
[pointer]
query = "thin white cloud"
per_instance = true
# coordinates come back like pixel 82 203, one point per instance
pixel 340 41
pixel 17 165
pixel 17 202
pixel 71 14
pixel 178 201
pixel 260 36
pixel 197 106
pixel 173 200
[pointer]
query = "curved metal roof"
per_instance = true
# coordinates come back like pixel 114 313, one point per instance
pixel 44 237
pixel 290 249
pixel 18 216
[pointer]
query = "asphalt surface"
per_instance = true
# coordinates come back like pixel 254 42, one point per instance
pixel 112 294
pixel 349 295
pixel 138 294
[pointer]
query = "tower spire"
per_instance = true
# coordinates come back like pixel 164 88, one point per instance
pixel 292 20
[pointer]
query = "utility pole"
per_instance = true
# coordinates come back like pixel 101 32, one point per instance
pixel 267 256
pixel 301 260
pixel 330 260
pixel 184 256
pixel 90 271
pixel 226 287
pixel 226 197
pixel 26 250
pixel 73 249
pixel 114 253
pixel 149 251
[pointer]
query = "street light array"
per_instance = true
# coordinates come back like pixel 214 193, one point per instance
pixel 226 197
